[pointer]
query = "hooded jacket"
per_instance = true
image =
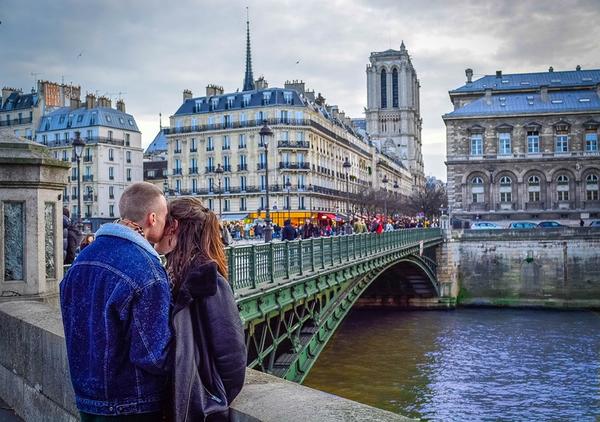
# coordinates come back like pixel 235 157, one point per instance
pixel 210 352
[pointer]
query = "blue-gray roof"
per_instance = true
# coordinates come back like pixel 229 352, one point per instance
pixel 68 118
pixel 520 81
pixel 159 144
pixel 204 104
pixel 19 101
pixel 528 103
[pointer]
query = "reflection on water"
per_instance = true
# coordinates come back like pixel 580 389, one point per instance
pixel 468 364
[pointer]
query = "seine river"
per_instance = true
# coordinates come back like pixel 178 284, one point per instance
pixel 467 364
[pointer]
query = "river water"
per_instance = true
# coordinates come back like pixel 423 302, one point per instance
pixel 467 364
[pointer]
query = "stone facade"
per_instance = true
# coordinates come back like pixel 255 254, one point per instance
pixel 393 116
pixel 525 152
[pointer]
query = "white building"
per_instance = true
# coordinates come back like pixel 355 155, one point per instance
pixel 111 160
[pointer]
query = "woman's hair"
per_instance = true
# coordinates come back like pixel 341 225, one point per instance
pixel 198 238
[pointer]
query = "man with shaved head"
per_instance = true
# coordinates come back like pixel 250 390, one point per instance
pixel 115 302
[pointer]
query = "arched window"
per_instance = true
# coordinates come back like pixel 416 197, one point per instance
pixel 562 187
pixel 591 187
pixel 533 188
pixel 383 89
pixel 477 189
pixel 395 87
pixel 505 189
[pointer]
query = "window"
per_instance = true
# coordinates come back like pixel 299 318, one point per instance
pixel 214 103
pixel 128 156
pixel 127 139
pixel 533 142
pixel 263 182
pixel 211 163
pixel 129 175
pixel 226 183
pixel 243 119
pixel 562 143
pixel 194 123
pixel 178 185
pixel 259 117
pixel 193 145
pixel 242 141
pixel 505 189
pixel 299 117
pixel 383 89
pixel 210 144
pixel 227 121
pixel 121 120
pixel 243 183
pixel 284 116
pixel 287 97
pixel 108 118
pixel 211 122
pixel 226 142
pixel 111 210
pixel 243 163
pixel 266 97
pixel 230 101
pixel 591 187
pixel 242 204
pixel 211 185
pixel 476 144
pixel 562 187
pixel 591 142
pixel 533 188
pixel 111 173
pixel 111 192
pixel 93 118
pixel 194 186
pixel 210 205
pixel 111 155
pixel 504 143
pixel 285 135
pixel 110 135
pixel 477 190
pixel 89 134
pixel 299 136
pixel 177 146
pixel 246 100
pixel 395 87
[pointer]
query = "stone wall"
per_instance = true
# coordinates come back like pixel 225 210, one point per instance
pixel 541 267
pixel 34 378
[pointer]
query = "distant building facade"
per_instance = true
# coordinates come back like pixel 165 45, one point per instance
pixel 155 161
pixel 393 113
pixel 111 160
pixel 22 113
pixel 523 146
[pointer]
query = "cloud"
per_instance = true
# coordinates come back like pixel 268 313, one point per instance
pixel 152 52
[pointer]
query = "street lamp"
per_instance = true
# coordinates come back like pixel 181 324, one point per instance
pixel 78 145
pixel 310 193
pixel 385 181
pixel 396 187
pixel 288 185
pixel 219 172
pixel 347 166
pixel 265 133
pixel 165 186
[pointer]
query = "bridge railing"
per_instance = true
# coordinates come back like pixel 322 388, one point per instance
pixel 251 266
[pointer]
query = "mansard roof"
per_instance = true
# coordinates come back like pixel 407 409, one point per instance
pixel 531 103
pixel 524 81
pixel 19 101
pixel 202 105
pixel 159 144
pixel 69 118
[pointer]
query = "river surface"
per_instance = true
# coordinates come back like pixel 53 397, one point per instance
pixel 467 364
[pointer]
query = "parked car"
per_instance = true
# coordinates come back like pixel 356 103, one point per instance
pixel 522 225
pixel 595 223
pixel 549 224
pixel 484 225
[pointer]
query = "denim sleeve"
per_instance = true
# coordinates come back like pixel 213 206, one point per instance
pixel 150 329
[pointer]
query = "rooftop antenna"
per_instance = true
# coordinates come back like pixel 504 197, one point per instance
pixel 35 77
pixel 160 120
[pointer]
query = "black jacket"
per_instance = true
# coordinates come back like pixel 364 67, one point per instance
pixel 210 353
pixel 288 233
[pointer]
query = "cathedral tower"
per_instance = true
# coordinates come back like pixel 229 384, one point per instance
pixel 393 113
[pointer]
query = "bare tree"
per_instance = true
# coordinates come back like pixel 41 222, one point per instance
pixel 430 200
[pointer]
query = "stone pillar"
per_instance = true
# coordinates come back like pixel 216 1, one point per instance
pixel 31 241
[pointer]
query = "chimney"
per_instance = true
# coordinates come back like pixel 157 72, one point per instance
pixel 310 96
pixel 261 83
pixel 342 116
pixel 488 96
pixel 469 73
pixel 544 93
pixel 121 106
pixel 550 69
pixel 578 68
pixel 295 85
pixel 90 101
pixel 187 95
pixel 75 103
pixel 104 102
pixel 498 74
pixel 212 90
pixel 7 91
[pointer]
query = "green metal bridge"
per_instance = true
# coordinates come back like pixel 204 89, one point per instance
pixel 293 295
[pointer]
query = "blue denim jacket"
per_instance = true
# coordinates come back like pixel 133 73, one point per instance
pixel 115 303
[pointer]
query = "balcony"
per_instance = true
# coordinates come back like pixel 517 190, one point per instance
pixel 193 170
pixel 88 140
pixel 88 159
pixel 227 168
pixel 209 169
pixel 241 146
pixel 128 161
pixel 226 147
pixel 506 206
pixel 210 148
pixel 193 149
pixel 287 165
pixel 177 151
pixel 478 207
pixel 293 144
pixel 111 196
pixel 88 178
pixel 16 122
pixel 564 205
pixel 88 197
pixel 235 125
pixel 242 167
pixel 177 172
pixel 534 206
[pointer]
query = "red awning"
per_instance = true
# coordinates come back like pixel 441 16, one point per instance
pixel 327 215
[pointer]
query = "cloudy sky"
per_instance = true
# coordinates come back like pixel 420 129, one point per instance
pixel 151 50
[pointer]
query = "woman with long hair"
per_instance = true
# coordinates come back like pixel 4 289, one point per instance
pixel 210 353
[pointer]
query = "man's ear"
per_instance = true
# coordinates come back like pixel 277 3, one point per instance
pixel 151 219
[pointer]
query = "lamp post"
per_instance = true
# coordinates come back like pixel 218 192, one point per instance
pixel 219 172
pixel 396 187
pixel 347 166
pixel 288 186
pixel 310 193
pixel 78 145
pixel 385 181
pixel 265 133
pixel 165 186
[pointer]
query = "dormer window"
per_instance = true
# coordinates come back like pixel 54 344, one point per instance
pixel 230 101
pixel 62 119
pixel 214 103
pixel 197 106
pixel 108 118
pixel 287 97
pixel 266 97
pixel 246 100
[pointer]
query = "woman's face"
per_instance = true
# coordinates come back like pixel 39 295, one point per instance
pixel 168 241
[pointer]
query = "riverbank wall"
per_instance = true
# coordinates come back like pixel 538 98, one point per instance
pixel 35 382
pixel 545 268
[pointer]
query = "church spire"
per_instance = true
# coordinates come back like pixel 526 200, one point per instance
pixel 248 78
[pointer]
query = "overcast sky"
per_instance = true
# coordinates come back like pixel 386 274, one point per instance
pixel 151 50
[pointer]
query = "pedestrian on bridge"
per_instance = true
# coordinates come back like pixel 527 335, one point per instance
pixel 210 352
